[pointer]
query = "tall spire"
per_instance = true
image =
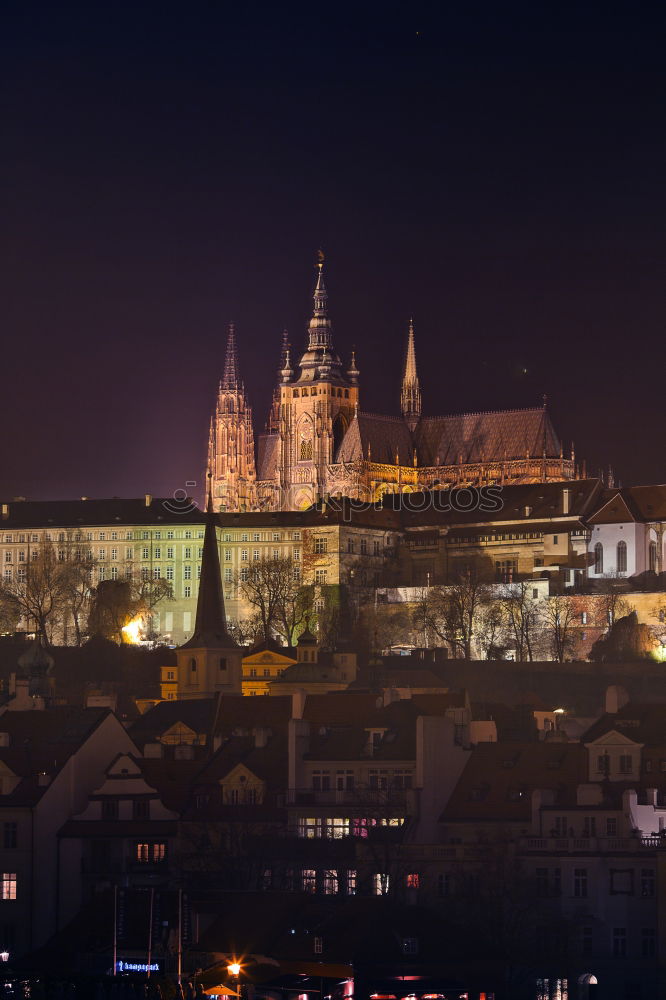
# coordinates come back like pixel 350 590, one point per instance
pixel 320 325
pixel 410 395
pixel 210 628
pixel 230 379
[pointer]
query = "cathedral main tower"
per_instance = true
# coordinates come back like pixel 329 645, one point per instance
pixel 318 401
pixel 231 465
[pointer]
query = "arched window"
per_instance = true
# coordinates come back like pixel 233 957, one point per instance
pixel 598 558
pixel 306 451
pixel 622 557
pixel 653 557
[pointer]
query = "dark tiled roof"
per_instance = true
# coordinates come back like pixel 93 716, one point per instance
pixel 634 503
pixel 236 713
pixel 376 438
pixel 498 780
pixel 642 723
pixel 75 513
pixel 506 504
pixel 486 437
pixel 196 713
pixel 43 741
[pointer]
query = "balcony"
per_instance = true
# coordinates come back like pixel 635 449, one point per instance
pixel 589 845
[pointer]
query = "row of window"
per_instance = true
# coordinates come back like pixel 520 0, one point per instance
pixel 337 827
pixel 261 536
pixel 102 536
pixel 378 778
pixel 621 881
pixel 621 557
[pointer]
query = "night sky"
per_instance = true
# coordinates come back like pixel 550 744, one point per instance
pixel 497 170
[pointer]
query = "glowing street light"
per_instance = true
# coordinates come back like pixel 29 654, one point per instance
pixel 234 969
pixel 4 956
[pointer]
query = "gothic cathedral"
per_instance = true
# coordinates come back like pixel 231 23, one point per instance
pixel 318 442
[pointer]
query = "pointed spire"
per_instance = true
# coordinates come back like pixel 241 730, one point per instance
pixel 286 372
pixel 410 396
pixel 320 325
pixel 353 372
pixel 285 347
pixel 230 379
pixel 210 628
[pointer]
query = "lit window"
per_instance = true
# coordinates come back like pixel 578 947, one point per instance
pixel 380 884
pixel 309 880
pixel 413 880
pixel 9 885
pixel 622 557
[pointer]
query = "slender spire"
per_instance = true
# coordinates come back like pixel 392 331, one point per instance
pixel 320 325
pixel 353 372
pixel 210 628
pixel 230 379
pixel 410 396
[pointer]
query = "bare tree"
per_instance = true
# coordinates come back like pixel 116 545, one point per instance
pixel 612 603
pixel 451 612
pixel 491 630
pixel 558 618
pixel 38 592
pixel 520 611
pixel 281 603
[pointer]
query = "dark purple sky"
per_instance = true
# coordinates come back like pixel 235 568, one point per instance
pixel 495 169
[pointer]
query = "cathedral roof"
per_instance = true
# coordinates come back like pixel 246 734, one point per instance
pixel 485 437
pixel 376 438
pixel 470 437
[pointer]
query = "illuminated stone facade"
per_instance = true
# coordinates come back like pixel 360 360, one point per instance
pixel 318 441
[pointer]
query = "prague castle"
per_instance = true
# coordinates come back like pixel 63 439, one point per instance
pixel 320 442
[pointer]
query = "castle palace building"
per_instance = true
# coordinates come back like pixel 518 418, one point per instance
pixel 319 442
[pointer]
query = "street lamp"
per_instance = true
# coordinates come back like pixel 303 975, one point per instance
pixel 4 956
pixel 234 969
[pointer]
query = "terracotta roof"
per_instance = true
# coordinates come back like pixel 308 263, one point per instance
pixel 634 503
pixel 498 780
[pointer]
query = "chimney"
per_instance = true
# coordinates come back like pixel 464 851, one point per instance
pixel 616 698
pixel 5 511
pixel 298 703
pixel 261 736
pixel 566 497
pixel 148 499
